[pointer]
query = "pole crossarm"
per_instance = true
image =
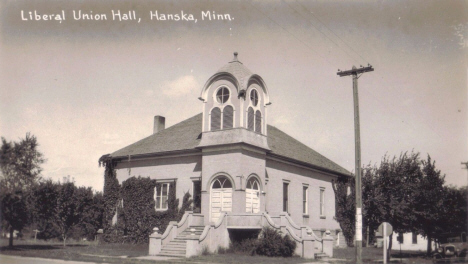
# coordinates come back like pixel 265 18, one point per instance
pixel 355 71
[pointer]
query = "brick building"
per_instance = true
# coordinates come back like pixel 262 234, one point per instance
pixel 242 172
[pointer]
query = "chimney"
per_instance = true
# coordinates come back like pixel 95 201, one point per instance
pixel 159 124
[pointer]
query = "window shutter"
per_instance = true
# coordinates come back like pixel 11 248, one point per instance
pixel 250 119
pixel 228 117
pixel 258 122
pixel 215 119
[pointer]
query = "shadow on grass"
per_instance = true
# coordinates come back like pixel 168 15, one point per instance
pixel 37 247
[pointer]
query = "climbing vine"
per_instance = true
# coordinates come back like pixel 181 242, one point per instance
pixel 134 206
pixel 345 207
pixel 111 194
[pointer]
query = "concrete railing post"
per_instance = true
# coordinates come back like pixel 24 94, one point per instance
pixel 308 246
pixel 155 242
pixel 327 241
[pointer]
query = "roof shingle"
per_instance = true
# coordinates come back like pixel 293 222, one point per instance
pixel 186 135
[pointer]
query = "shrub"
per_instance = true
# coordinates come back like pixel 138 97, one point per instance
pixel 205 251
pixel 247 246
pixel 222 250
pixel 272 244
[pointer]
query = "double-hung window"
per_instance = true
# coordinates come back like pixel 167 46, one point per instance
pixel 305 199
pixel 322 202
pixel 285 196
pixel 161 194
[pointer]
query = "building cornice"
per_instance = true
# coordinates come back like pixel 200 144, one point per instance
pixel 305 165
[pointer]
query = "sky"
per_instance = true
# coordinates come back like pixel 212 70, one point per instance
pixel 86 88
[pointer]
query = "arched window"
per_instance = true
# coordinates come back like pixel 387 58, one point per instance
pixel 222 183
pixel 228 117
pixel 222 95
pixel 250 119
pixel 253 184
pixel 220 198
pixel 258 121
pixel 252 196
pixel 215 119
pixel 254 97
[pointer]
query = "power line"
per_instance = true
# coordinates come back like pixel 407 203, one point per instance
pixel 304 43
pixel 321 22
pixel 308 20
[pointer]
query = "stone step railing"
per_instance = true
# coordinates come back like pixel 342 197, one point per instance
pixel 215 235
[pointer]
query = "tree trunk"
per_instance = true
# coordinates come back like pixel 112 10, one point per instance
pixel 429 245
pixel 390 239
pixel 10 239
pixel 64 240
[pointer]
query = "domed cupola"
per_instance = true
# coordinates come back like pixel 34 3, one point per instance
pixel 235 98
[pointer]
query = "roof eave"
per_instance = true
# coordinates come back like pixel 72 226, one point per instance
pixel 306 164
pixel 155 154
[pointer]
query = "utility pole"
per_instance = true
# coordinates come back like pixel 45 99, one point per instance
pixel 356 73
pixel 466 167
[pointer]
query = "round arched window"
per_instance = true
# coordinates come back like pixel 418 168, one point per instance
pixel 254 97
pixel 252 184
pixel 222 95
pixel 222 182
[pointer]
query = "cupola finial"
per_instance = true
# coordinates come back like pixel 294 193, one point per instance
pixel 235 56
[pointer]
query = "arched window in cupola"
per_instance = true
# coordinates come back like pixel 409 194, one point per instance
pixel 250 119
pixel 258 121
pixel 215 119
pixel 228 117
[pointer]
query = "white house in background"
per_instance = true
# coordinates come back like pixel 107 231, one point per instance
pixel 410 241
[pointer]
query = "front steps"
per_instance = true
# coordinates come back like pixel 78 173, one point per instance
pixel 177 247
pixel 320 255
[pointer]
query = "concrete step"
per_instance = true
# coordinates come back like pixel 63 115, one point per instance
pixel 320 255
pixel 171 255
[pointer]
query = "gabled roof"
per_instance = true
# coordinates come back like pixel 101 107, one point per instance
pixel 186 136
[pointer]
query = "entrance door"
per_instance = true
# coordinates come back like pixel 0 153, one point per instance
pixel 252 196
pixel 221 197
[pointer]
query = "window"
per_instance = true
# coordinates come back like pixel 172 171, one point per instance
pixel 252 196
pixel 258 122
pixel 222 95
pixel 197 196
pixel 322 201
pixel 285 196
pixel 215 119
pixel 400 238
pixel 415 238
pixel 221 183
pixel 228 117
pixel 161 193
pixel 305 200
pixel 254 97
pixel 250 119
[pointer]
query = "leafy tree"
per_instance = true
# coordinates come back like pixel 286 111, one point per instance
pixel 66 210
pixel 372 199
pixel 345 205
pixel 14 212
pixel 91 216
pixel 455 205
pixel 429 207
pixel 44 209
pixel 20 164
pixel 397 180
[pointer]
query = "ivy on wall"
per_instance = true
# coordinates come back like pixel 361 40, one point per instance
pixel 111 195
pixel 134 204
pixel 345 207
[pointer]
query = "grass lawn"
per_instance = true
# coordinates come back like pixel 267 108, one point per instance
pixel 374 255
pixel 126 253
